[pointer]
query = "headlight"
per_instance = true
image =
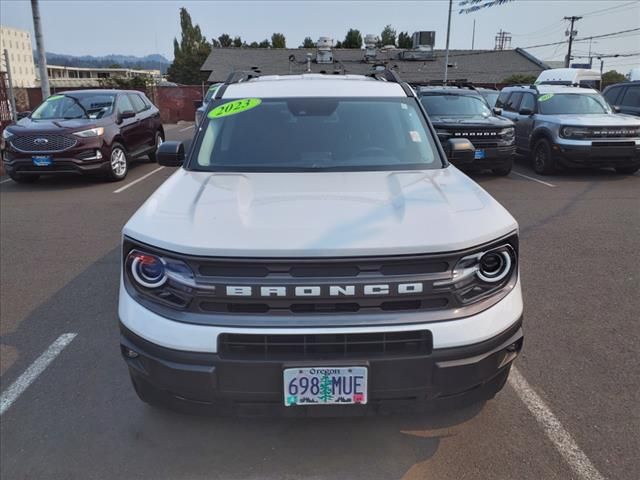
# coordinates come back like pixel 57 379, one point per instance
pixel 508 133
pixel 159 278
pixel 92 132
pixel 6 134
pixel 575 132
pixel 484 273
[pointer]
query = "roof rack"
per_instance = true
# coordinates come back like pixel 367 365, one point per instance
pixel 390 75
pixel 452 83
pixel 237 77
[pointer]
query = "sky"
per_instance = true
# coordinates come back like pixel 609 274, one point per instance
pixel 141 27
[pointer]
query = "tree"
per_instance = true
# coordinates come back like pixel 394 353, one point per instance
pixel 115 65
pixel 353 39
pixel 308 43
pixel 264 44
pixel 611 77
pixel 405 40
pixel 189 53
pixel 254 45
pixel 278 41
pixel 519 79
pixel 237 42
pixel 388 36
pixel 338 44
pixel 225 40
pixel 134 83
pixel 215 43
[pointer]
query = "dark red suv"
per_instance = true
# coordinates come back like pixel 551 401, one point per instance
pixel 84 131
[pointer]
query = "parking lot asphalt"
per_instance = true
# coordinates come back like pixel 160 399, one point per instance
pixel 80 419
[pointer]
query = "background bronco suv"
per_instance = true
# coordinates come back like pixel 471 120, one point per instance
pixel 334 260
pixel 572 127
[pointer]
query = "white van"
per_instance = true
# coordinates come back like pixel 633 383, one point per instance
pixel 579 77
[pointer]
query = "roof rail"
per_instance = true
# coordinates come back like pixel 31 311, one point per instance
pixel 451 83
pixel 390 75
pixel 237 77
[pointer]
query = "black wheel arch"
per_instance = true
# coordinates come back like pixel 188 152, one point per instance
pixel 538 135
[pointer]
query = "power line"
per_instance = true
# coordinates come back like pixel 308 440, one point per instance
pixel 608 9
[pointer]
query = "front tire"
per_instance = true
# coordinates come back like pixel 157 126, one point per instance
pixel 118 163
pixel 153 157
pixel 23 178
pixel 542 158
pixel 627 170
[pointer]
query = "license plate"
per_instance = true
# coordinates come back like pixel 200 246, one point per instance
pixel 479 155
pixel 325 386
pixel 42 160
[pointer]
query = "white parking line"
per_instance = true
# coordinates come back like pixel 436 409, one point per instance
pixel 18 387
pixel 5 181
pixel 533 179
pixel 561 439
pixel 131 184
pixel 186 128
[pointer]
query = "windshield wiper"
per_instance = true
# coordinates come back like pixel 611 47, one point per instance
pixel 86 114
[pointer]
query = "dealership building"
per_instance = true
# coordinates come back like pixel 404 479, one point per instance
pixel 419 65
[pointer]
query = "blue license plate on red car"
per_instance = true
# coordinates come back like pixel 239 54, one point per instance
pixel 42 160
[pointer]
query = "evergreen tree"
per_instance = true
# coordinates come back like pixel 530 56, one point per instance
pixel 405 40
pixel 338 44
pixel 225 40
pixel 388 36
pixel 254 45
pixel 237 42
pixel 308 43
pixel 189 53
pixel 353 39
pixel 278 41
pixel 325 388
pixel 264 44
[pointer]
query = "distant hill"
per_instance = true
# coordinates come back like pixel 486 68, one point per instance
pixel 154 61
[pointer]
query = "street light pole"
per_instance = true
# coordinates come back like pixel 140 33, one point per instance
pixel 42 56
pixel 446 56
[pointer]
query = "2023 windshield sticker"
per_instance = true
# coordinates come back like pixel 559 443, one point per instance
pixel 234 107
pixel 545 97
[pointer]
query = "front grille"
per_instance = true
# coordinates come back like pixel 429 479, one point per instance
pixel 614 132
pixel 43 143
pixel 479 137
pixel 318 346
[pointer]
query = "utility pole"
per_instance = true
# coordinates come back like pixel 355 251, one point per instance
pixel 473 35
pixel 572 33
pixel 446 57
pixel 12 97
pixel 42 56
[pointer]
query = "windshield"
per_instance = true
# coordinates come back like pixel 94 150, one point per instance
pixel 571 103
pixel 455 105
pixel 309 134
pixel 76 105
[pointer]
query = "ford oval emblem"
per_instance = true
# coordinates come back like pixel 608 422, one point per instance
pixel 41 141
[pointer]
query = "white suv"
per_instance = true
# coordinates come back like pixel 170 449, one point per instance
pixel 316 251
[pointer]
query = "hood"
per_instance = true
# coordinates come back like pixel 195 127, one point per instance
pixel 597 120
pixel 319 214
pixel 29 126
pixel 470 121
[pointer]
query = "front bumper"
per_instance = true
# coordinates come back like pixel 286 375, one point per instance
pixel 80 160
pixel 494 157
pixel 597 153
pixel 469 361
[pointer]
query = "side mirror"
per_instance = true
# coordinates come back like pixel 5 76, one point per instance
pixel 460 151
pixel 170 154
pixel 497 111
pixel 22 115
pixel 126 114
pixel 525 111
pixel 616 109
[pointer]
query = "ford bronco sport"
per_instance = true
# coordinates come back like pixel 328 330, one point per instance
pixel 571 127
pixel 316 251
